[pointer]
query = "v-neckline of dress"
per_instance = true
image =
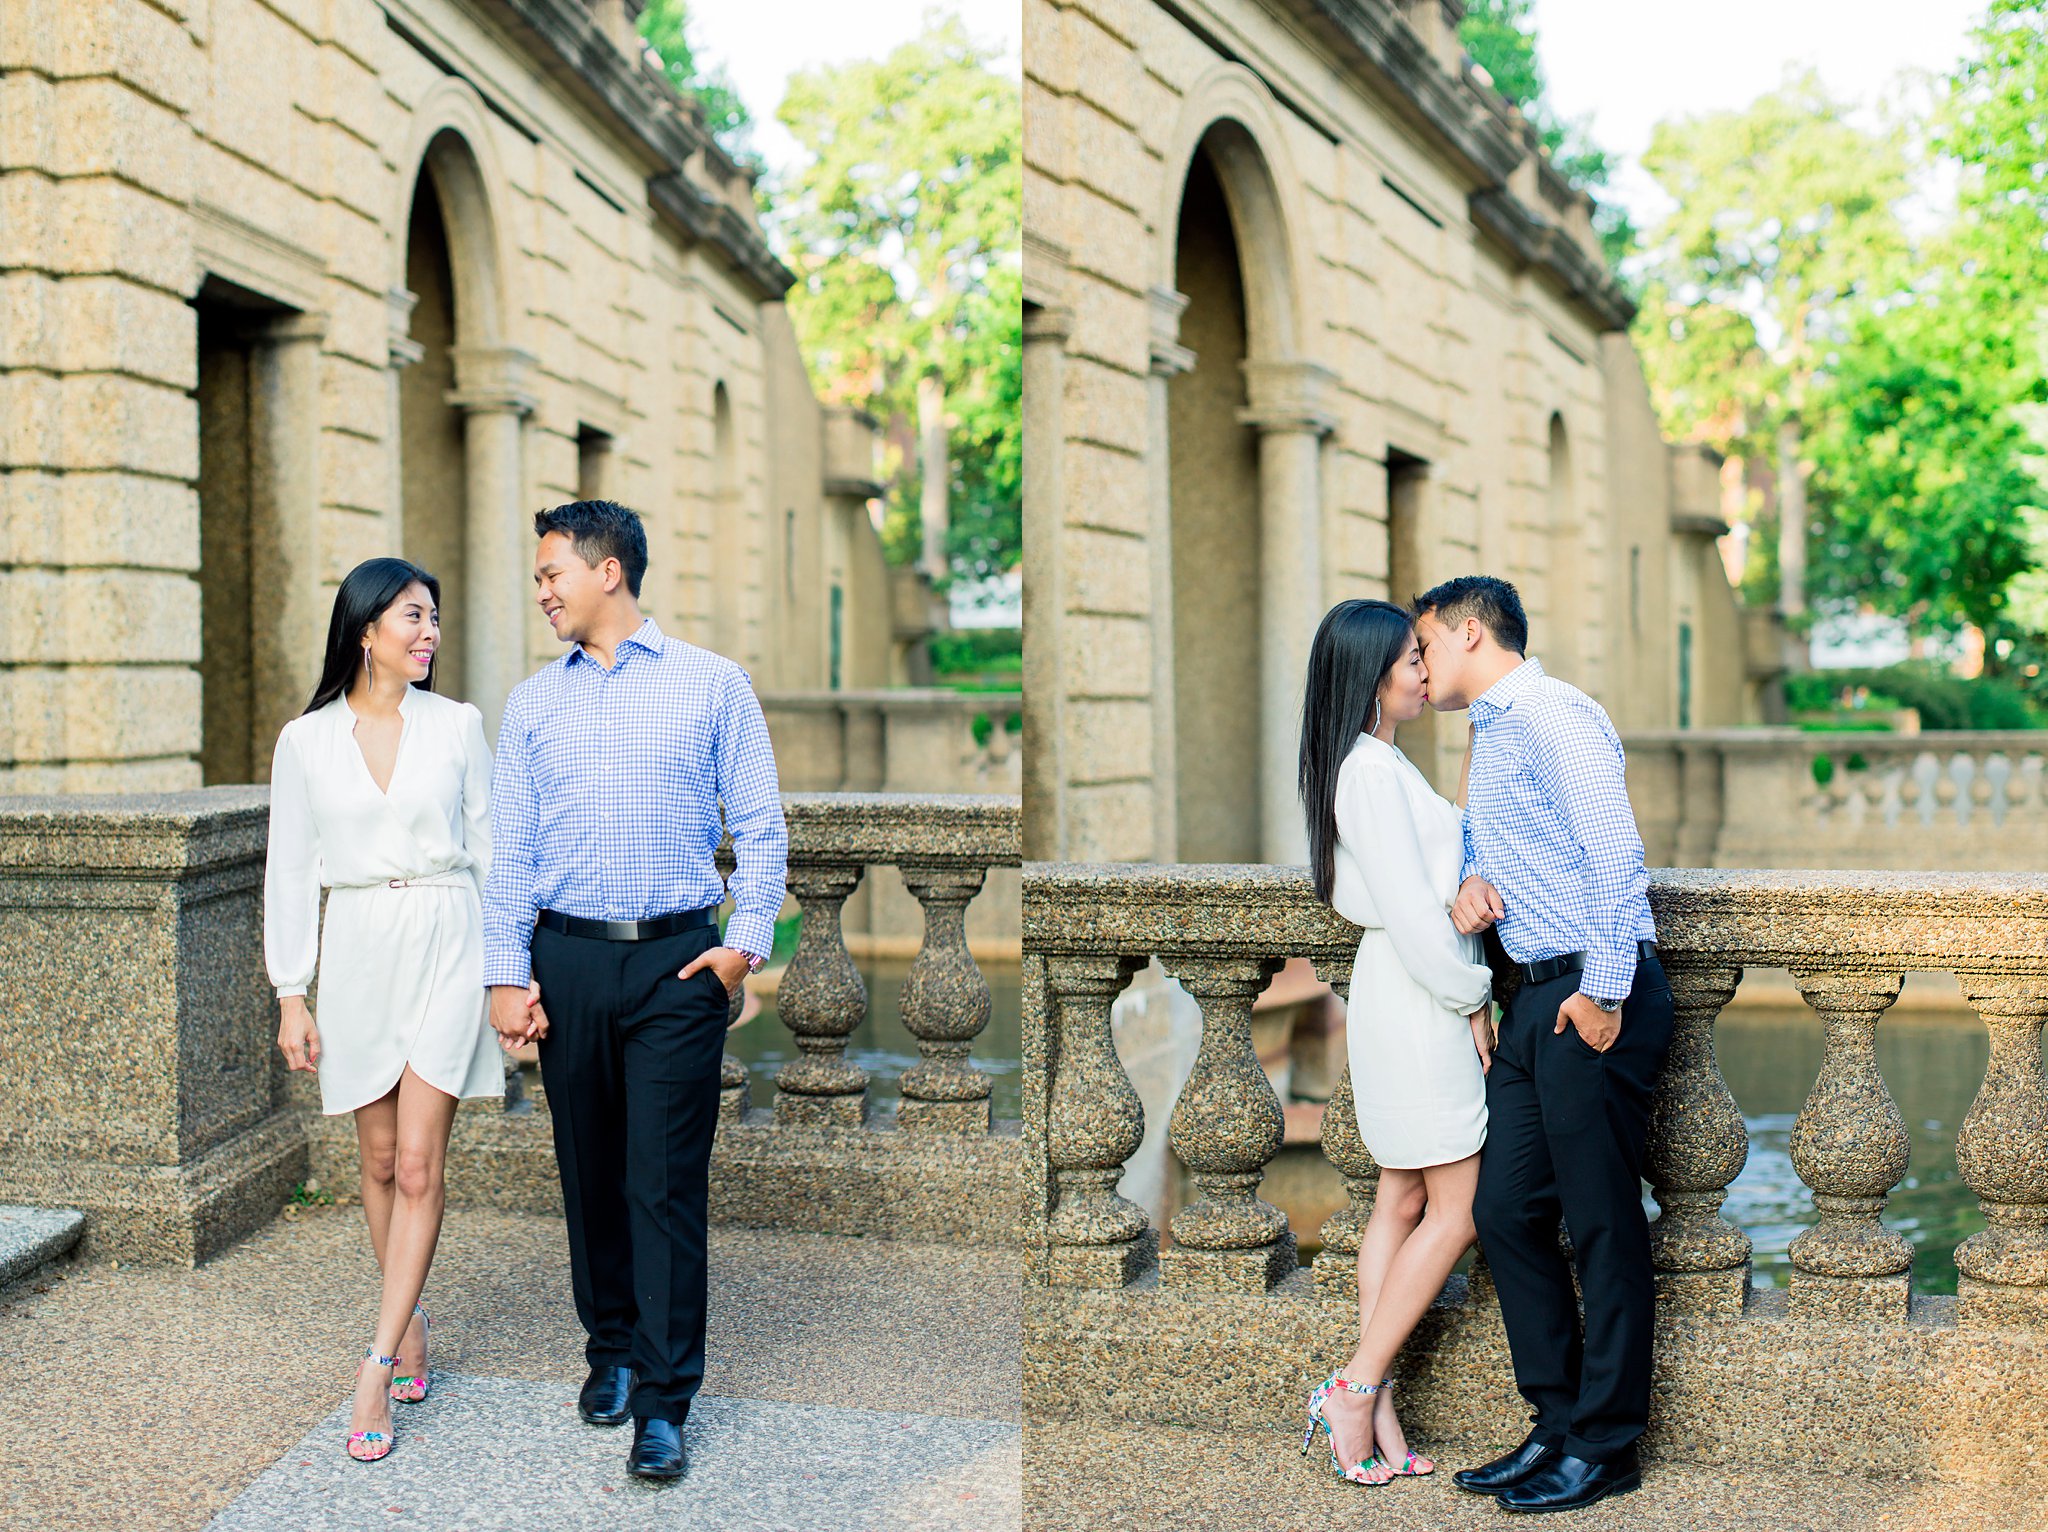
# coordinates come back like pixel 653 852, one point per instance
pixel 397 756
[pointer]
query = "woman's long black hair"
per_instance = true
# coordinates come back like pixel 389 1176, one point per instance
pixel 366 595
pixel 1358 643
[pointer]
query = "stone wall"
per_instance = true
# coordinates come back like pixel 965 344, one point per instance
pixel 1212 1322
pixel 283 286
pixel 1307 311
pixel 144 1085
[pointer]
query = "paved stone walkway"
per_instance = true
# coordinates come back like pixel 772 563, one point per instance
pixel 849 1384
pixel 1091 1476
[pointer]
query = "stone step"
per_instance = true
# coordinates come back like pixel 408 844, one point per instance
pixel 34 1238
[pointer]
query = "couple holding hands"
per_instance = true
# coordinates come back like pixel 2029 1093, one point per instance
pixel 1499 1134
pixel 564 893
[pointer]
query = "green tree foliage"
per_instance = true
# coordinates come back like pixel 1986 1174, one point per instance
pixel 1501 39
pixel 664 27
pixel 904 229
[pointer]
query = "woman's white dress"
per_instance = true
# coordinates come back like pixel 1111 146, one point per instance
pixel 401 960
pixel 1414 1071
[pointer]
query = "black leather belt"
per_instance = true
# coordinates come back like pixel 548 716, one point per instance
pixel 1572 962
pixel 628 930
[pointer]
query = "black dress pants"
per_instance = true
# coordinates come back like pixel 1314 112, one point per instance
pixel 631 1068
pixel 1564 1138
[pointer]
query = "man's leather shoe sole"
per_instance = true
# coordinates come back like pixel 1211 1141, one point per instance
pixel 655 1471
pixel 1590 1494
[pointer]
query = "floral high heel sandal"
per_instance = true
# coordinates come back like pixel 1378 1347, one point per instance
pixel 369 1446
pixel 1408 1470
pixel 1357 1471
pixel 411 1390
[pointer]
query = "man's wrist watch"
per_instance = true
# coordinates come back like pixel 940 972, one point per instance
pixel 1609 1006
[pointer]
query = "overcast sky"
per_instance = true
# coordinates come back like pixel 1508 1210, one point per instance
pixel 762 43
pixel 1632 65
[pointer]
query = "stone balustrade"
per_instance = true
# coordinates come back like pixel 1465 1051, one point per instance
pixel 140 1079
pixel 1843 1370
pixel 1846 938
pixel 1789 798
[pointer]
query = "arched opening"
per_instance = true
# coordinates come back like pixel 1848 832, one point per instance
pixel 727 580
pixel 1213 484
pixel 434 474
pixel 1559 644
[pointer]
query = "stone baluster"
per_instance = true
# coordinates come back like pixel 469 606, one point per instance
pixel 1698 1144
pixel 1226 1125
pixel 945 1005
pixel 821 1001
pixel 1849 1145
pixel 1336 1264
pixel 735 1092
pixel 1094 1123
pixel 2002 1152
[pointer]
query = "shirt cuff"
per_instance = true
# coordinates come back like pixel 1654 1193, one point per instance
pixel 1608 975
pixel 751 933
pixel 286 991
pixel 515 969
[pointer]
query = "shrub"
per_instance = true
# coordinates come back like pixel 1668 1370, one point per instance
pixel 1944 700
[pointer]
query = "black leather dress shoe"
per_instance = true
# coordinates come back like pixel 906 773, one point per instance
pixel 607 1395
pixel 657 1449
pixel 1566 1483
pixel 1505 1472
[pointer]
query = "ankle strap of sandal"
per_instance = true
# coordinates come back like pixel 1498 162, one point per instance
pixel 370 1355
pixel 1338 1380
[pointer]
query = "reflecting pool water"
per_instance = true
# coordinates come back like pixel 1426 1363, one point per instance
pixel 1933 1061
pixel 883 1046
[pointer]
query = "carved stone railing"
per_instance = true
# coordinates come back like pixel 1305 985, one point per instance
pixel 1846 937
pixel 1975 801
pixel 140 1079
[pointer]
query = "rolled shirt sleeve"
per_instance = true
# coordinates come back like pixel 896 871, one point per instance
pixel 751 798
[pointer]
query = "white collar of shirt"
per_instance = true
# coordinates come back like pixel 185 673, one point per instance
pixel 647 636
pixel 1506 692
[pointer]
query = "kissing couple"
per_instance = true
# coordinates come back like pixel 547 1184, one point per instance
pixel 1503 1134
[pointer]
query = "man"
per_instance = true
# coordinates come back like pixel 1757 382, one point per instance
pixel 1553 860
pixel 600 941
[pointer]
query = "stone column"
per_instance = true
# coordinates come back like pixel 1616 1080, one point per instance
pixel 492 388
pixel 1169 358
pixel 1094 1122
pixel 1336 1264
pixel 822 1000
pixel 401 351
pixel 1289 407
pixel 1046 328
pixel 1849 1145
pixel 287 640
pixel 1698 1145
pixel 1226 1125
pixel 945 1006
pixel 2002 1152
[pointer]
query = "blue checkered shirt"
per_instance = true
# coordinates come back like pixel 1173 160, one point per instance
pixel 605 798
pixel 1548 824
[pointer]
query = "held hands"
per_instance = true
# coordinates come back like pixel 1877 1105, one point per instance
pixel 730 966
pixel 516 1014
pixel 297 1037
pixel 1597 1028
pixel 1476 907
pixel 1482 1037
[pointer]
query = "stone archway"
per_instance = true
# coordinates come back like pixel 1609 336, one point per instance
pixel 1237 423
pixel 461 397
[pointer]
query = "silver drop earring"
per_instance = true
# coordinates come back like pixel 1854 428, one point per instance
pixel 1373 728
pixel 369 666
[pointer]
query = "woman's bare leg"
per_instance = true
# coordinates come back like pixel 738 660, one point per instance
pixel 413 1227
pixel 377 1143
pixel 1397 1209
pixel 1414 1279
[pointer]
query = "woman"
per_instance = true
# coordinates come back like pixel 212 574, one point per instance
pixel 380 792
pixel 1385 852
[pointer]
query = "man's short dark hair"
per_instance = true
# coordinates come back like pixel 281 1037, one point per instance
pixel 1494 602
pixel 600 529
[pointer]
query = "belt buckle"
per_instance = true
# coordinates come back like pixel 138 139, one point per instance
pixel 397 882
